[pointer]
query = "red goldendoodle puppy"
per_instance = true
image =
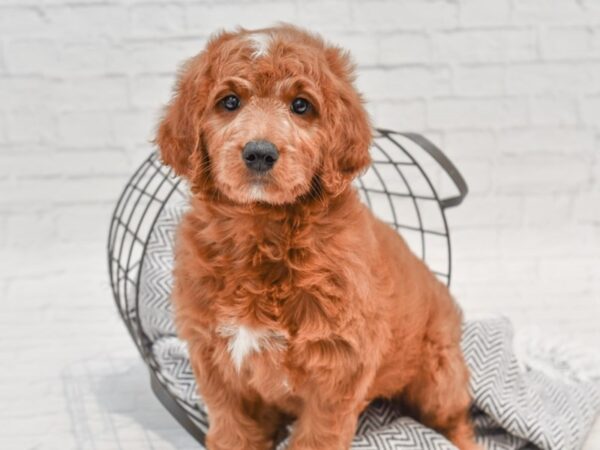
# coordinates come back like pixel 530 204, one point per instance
pixel 296 302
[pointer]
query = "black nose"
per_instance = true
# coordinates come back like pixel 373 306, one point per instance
pixel 260 156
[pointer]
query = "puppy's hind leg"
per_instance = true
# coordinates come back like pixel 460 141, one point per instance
pixel 439 397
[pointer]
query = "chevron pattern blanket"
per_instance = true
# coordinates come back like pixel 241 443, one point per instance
pixel 540 400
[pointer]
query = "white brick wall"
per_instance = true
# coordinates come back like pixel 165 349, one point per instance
pixel 510 89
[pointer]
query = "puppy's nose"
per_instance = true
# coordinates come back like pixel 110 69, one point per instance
pixel 260 156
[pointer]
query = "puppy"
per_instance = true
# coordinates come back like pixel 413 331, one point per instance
pixel 295 301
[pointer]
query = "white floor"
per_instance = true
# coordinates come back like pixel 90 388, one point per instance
pixel 71 378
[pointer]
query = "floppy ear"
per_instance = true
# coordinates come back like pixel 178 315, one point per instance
pixel 178 135
pixel 347 127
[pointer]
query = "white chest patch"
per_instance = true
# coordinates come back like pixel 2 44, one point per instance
pixel 260 43
pixel 244 341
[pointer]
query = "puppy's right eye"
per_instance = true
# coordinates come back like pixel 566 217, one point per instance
pixel 230 103
pixel 300 105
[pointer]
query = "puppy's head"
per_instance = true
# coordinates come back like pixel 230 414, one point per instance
pixel 266 116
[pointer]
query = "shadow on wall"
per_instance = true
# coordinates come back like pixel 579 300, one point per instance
pixel 111 405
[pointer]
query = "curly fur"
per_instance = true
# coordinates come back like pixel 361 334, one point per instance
pixel 296 302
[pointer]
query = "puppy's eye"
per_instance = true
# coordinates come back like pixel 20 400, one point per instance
pixel 300 105
pixel 230 103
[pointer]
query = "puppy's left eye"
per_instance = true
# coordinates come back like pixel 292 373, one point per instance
pixel 231 102
pixel 300 105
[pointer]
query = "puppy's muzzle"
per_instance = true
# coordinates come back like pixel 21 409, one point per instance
pixel 260 156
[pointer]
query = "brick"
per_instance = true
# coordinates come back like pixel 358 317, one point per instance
pixel 542 242
pixel 65 163
pixel 151 57
pixel 464 114
pixel 26 162
pixel 521 45
pixel 553 140
pixel 493 270
pixel 8 205
pixel 30 230
pixel 65 191
pixel 53 58
pixel 3 241
pixel 590 110
pixel 552 79
pixel 478 175
pixel 31 56
pixel 84 129
pixel 205 18
pixel 557 111
pixel 487 270
pixel 15 21
pixel 26 92
pixel 475 244
pixel 595 38
pixel 468 46
pixel 26 126
pixel 485 46
pixel 590 6
pixel 80 223
pixel 541 174
pixel 87 21
pixel 96 162
pixel 363 47
pixel 90 190
pixel 94 93
pixel 139 153
pixel 405 115
pixel 152 90
pixel 487 211
pixel 80 57
pixel 3 129
pixel 567 43
pixel 331 15
pixel 405 48
pixel 536 12
pixel 3 65
pixel 477 81
pixel 402 83
pixel 586 209
pixel 494 293
pixel 410 14
pixel 135 127
pixel 157 20
pixel 548 210
pixel 484 12
pixel 469 144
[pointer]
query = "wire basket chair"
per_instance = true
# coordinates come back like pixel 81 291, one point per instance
pixel 398 187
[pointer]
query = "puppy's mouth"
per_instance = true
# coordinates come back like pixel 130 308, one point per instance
pixel 258 186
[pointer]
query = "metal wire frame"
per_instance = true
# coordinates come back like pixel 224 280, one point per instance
pixel 153 185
